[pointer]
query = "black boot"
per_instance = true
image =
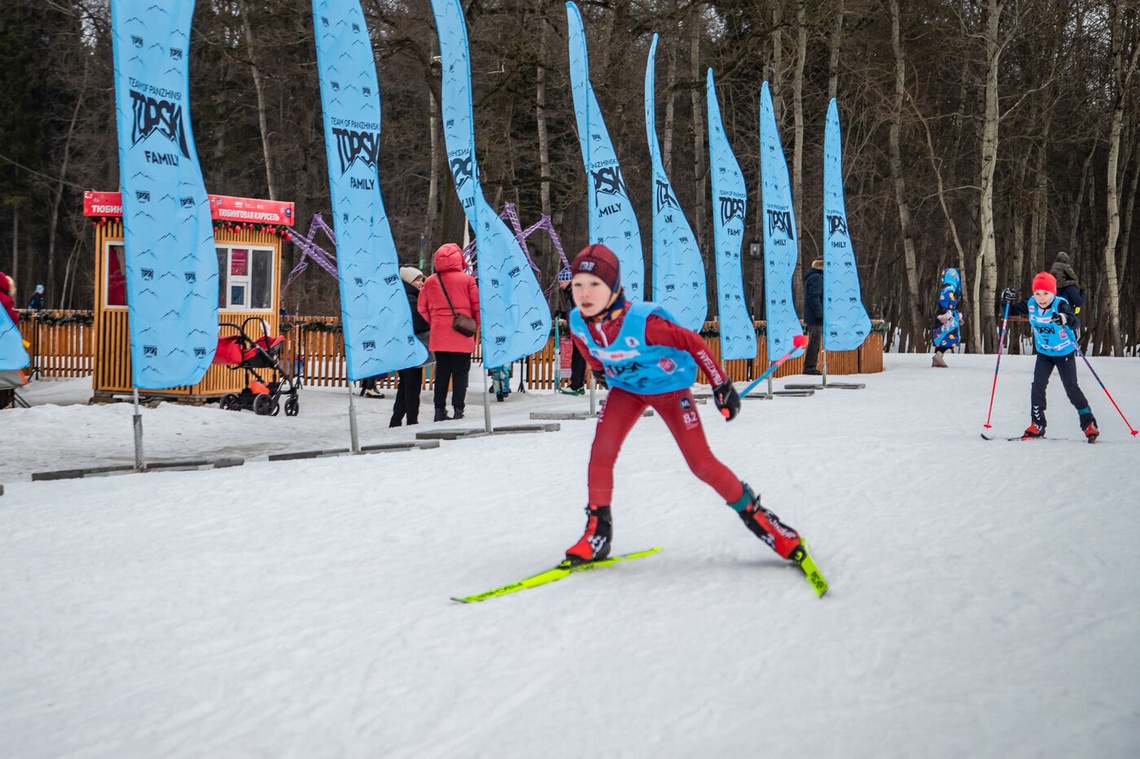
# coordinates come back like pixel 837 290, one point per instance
pixel 594 544
pixel 441 415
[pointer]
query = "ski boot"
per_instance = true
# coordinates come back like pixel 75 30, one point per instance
pixel 1088 425
pixel 766 525
pixel 1033 431
pixel 595 542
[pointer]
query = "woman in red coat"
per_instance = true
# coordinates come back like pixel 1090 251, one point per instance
pixel 452 350
pixel 8 296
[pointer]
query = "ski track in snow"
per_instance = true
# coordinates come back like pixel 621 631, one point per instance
pixel 983 596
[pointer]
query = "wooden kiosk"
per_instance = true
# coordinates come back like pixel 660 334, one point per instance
pixel 248 235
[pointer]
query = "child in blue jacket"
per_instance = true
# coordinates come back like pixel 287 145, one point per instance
pixel 1054 328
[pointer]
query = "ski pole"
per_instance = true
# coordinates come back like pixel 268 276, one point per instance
pixel 799 341
pixel 1001 344
pixel 1102 387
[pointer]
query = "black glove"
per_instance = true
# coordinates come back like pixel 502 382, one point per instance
pixel 1008 295
pixel 727 400
pixel 1059 318
pixel 599 377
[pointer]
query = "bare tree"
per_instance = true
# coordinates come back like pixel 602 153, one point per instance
pixel 1123 69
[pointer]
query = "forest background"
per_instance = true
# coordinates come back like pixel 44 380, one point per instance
pixel 982 134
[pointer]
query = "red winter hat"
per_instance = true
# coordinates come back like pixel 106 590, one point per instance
pixel 600 261
pixel 1045 281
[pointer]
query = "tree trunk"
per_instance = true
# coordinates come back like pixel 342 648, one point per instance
pixel 798 118
pixel 259 89
pixel 777 62
pixel 1040 205
pixel 1017 219
pixel 431 220
pixel 985 285
pixel 57 198
pixel 915 328
pixel 935 164
pixel 1128 216
pixel 1078 203
pixel 670 114
pixel 696 102
pixel 1122 72
pixel 833 46
pixel 543 135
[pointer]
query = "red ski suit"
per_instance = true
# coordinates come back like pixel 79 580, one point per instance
pixel 623 408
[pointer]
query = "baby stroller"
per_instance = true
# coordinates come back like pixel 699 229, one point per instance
pixel 249 354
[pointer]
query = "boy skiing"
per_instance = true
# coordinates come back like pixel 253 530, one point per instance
pixel 1054 328
pixel 650 360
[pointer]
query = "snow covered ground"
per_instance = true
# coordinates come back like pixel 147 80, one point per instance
pixel 985 596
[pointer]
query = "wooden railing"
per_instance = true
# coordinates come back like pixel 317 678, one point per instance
pixel 63 345
pixel 316 348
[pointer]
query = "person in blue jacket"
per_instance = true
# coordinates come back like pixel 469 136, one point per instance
pixel 948 321
pixel 1054 326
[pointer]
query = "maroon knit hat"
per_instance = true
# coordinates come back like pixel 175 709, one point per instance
pixel 600 261
pixel 1045 281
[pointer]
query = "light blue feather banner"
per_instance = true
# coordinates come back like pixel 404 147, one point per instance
pixel 515 318
pixel 171 261
pixel 779 237
pixel 845 321
pixel 13 355
pixel 612 219
pixel 730 200
pixel 678 271
pixel 377 320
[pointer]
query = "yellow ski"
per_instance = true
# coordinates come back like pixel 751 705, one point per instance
pixel 807 564
pixel 565 569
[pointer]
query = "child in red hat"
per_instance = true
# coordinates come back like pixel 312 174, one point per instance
pixel 1054 328
pixel 648 360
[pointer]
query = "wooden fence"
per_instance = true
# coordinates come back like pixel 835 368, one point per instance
pixel 314 347
pixel 63 345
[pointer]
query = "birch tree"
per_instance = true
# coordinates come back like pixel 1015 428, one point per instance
pixel 1123 68
pixel 985 282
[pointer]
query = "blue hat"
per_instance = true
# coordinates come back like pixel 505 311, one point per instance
pixel 39 288
pixel 565 275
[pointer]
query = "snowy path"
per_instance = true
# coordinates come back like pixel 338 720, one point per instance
pixel 983 602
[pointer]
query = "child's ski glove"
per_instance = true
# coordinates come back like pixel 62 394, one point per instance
pixel 1008 295
pixel 1059 318
pixel 727 400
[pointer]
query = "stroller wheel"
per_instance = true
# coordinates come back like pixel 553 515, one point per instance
pixel 263 405
pixel 229 402
pixel 292 406
pixel 275 409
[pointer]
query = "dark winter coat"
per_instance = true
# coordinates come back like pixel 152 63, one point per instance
pixel 1067 285
pixel 813 297
pixel 563 303
pixel 419 324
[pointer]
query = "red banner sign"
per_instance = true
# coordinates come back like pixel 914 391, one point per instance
pixel 222 208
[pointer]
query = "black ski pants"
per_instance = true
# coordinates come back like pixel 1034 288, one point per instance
pixel 1067 370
